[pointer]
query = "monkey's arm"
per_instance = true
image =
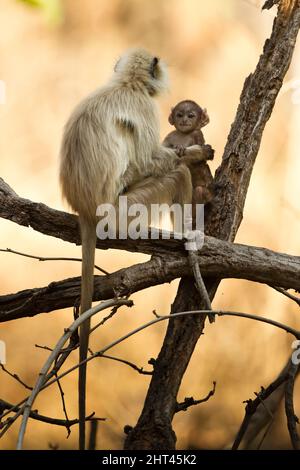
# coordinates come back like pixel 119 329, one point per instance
pixel 169 140
pixel 163 160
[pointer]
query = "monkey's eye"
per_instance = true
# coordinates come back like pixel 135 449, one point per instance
pixel 179 115
pixel 191 115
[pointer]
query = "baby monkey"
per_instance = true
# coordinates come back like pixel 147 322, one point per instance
pixel 188 119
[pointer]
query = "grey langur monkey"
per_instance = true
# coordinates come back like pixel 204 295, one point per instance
pixel 111 146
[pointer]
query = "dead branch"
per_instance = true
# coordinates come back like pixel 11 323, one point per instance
pixel 287 294
pixel 4 405
pixel 15 376
pixel 258 411
pixel 140 370
pixel 216 258
pixel 48 258
pixel 188 402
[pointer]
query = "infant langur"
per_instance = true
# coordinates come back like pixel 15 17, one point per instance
pixel 188 118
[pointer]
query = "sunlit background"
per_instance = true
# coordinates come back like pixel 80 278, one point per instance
pixel 52 54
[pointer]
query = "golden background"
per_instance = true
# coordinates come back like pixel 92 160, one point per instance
pixel 49 60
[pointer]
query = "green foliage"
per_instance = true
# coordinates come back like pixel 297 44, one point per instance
pixel 52 9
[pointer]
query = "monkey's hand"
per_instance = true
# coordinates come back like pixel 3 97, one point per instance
pixel 208 152
pixel 197 153
pixel 180 150
pixel 202 195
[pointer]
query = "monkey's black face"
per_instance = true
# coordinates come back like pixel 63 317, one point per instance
pixel 186 119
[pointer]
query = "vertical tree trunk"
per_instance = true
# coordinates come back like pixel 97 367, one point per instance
pixel 154 427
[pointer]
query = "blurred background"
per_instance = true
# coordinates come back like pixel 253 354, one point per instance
pixel 52 54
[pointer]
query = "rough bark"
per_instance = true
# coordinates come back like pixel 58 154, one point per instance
pixel 154 427
pixel 217 258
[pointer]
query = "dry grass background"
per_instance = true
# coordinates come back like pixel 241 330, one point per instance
pixel 210 47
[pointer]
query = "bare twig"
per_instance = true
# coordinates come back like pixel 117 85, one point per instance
pixel 62 394
pixel 49 258
pixel 292 419
pixel 188 402
pixel 46 348
pixel 287 294
pixel 4 405
pixel 10 421
pixel 105 319
pixel 250 429
pixel 16 377
pixel 140 370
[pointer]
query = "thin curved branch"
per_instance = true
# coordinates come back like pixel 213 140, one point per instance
pixel 140 370
pixel 49 258
pixel 287 294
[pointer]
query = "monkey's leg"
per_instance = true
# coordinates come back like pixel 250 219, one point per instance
pixel 173 188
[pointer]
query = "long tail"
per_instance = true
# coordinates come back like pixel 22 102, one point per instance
pixel 88 238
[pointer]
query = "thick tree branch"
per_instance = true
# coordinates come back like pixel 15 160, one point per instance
pixel 154 427
pixel 217 258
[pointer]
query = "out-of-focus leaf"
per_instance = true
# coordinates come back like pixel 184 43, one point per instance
pixel 52 9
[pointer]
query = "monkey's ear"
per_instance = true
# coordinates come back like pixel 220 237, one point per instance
pixel 171 118
pixel 204 120
pixel 153 67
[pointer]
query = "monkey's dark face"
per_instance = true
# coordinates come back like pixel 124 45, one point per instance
pixel 186 118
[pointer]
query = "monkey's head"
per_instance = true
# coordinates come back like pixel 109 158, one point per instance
pixel 188 116
pixel 139 68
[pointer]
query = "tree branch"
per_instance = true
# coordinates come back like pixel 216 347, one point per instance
pixel 188 402
pixel 4 405
pixel 216 258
